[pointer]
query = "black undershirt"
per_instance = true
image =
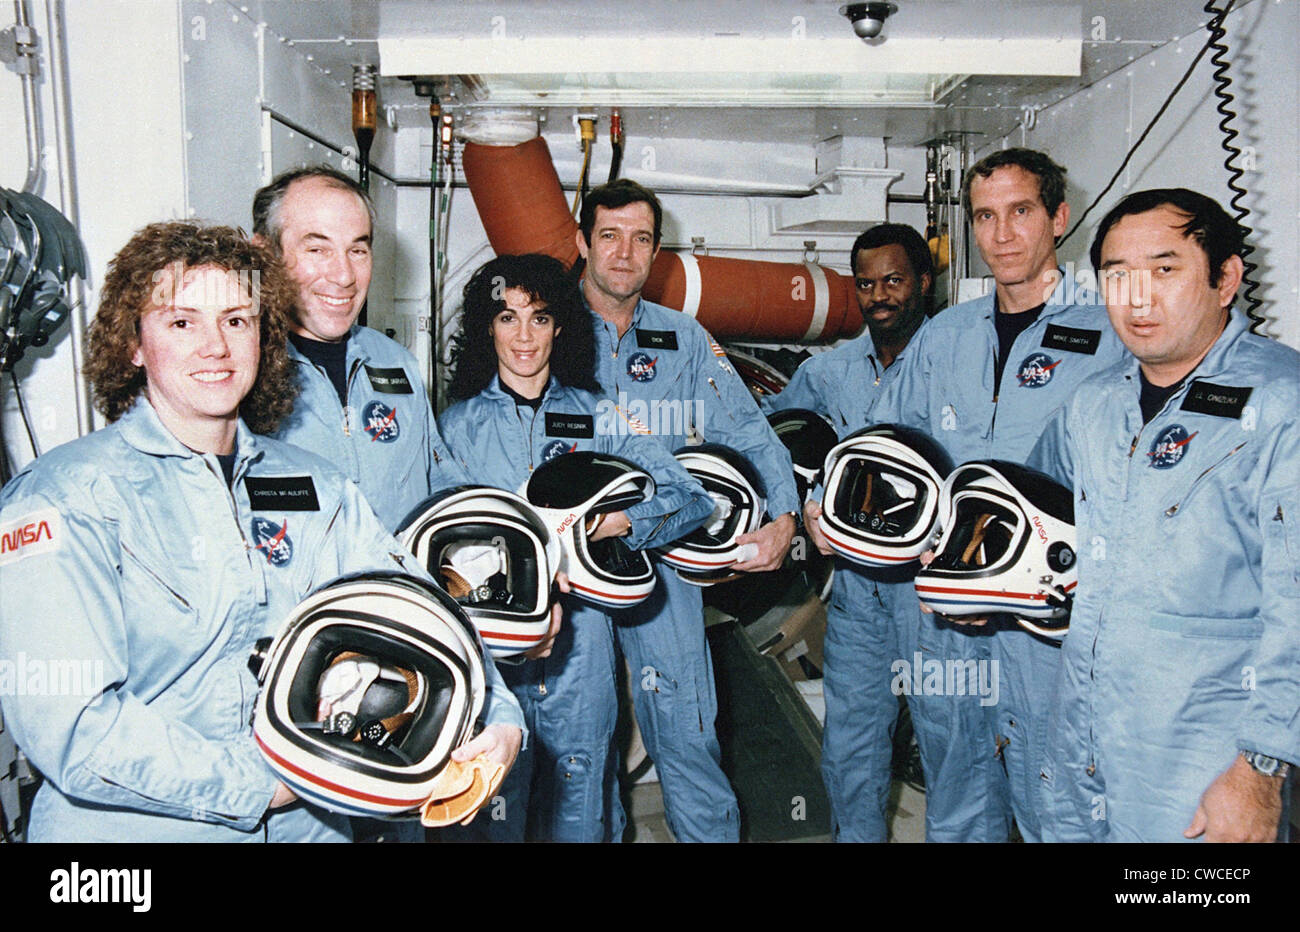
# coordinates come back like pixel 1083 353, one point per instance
pixel 1010 326
pixel 1152 397
pixel 227 461
pixel 520 400
pixel 331 357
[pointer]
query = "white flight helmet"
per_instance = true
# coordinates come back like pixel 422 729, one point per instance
pixel 1007 546
pixel 370 684
pixel 704 556
pixel 493 554
pixel 881 505
pixel 572 493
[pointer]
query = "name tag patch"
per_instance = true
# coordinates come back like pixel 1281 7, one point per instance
pixel 28 535
pixel 390 381
pixel 282 493
pixel 1216 400
pixel 1072 339
pixel 570 425
pixel 656 339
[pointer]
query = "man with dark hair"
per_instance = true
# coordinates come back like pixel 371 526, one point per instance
pixel 655 357
pixel 870 624
pixel 982 378
pixel 362 405
pixel 1176 713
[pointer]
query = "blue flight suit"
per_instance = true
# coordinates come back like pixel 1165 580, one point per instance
pixel 666 373
pixel 562 784
pixel 385 440
pixel 1184 643
pixel 945 387
pixel 870 627
pixel 129 565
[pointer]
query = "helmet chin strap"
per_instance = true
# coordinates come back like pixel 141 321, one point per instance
pixel 977 537
pixel 343 688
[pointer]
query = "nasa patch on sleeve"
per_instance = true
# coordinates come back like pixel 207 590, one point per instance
pixel 656 339
pixel 1072 339
pixel 30 535
pixel 1216 400
pixel 282 493
pixel 389 381
pixel 570 425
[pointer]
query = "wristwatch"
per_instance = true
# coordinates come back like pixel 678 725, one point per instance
pixel 1268 766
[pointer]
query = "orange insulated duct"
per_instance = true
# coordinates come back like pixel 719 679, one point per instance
pixel 522 207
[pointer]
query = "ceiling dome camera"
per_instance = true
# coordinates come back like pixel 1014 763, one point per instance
pixel 868 19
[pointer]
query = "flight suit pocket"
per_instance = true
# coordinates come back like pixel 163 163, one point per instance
pixel 146 586
pixel 1286 519
pixel 1194 627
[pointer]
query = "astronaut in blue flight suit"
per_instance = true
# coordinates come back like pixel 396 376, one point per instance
pixel 150 556
pixel 1180 680
pixel 982 378
pixel 664 371
pixel 363 404
pixel 870 625
pixel 528 395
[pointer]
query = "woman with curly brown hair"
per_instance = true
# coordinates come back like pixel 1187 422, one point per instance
pixel 152 555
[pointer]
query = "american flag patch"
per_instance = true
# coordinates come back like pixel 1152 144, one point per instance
pixel 634 423
pixel 717 350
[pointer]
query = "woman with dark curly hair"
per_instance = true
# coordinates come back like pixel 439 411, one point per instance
pixel 524 371
pixel 545 282
pixel 151 555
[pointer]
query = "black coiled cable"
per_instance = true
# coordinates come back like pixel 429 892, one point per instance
pixel 1224 107
pixel 1223 94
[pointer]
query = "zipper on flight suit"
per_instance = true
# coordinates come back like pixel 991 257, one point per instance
pixel 1173 509
pixel 154 576
pixel 529 441
pixel 347 408
pixel 717 392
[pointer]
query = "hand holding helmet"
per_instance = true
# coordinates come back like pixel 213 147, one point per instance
pixel 574 495
pixel 371 685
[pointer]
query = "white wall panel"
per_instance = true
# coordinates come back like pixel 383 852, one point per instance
pixel 222 111
pixel 1091 131
pixel 124 80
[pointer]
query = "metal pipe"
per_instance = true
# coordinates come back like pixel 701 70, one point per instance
pixel 28 66
pixel 58 43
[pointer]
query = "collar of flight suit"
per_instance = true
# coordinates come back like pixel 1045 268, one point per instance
pixel 355 350
pixel 1216 360
pixel 495 392
pixel 637 312
pixel 1056 303
pixel 142 429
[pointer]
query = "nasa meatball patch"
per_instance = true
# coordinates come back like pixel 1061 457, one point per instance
pixel 1036 370
pixel 380 422
pixel 641 366
pixel 29 535
pixel 272 541
pixel 1170 446
pixel 557 448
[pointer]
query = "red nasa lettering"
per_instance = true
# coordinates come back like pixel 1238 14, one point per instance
pixel 24 536
pixel 1042 532
pixel 564 525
